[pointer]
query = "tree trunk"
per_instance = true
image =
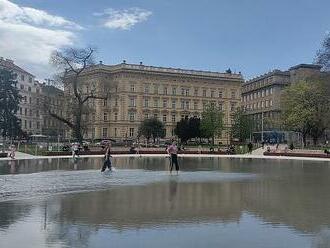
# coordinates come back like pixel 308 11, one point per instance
pixel 304 139
pixel 78 131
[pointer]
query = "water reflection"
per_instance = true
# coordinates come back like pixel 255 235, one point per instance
pixel 286 205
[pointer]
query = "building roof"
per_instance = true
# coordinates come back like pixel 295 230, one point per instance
pixel 167 70
pixel 306 66
pixel 10 65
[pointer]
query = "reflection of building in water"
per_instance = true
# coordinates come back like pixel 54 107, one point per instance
pixel 157 203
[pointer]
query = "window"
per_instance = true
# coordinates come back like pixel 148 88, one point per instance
pixel 156 103
pixel 173 118
pixel 146 89
pixel 196 92
pixel 37 113
pixel 267 103
pixel 30 124
pixel 29 89
pixel 173 104
pixel 115 132
pixel 187 92
pixel 131 132
pixel 164 103
pixel 220 94
pixel 132 102
pixel 25 123
pixel 132 88
pixel 182 104
pixel 267 92
pixel 271 103
pixel 105 116
pixel 182 91
pixel 187 104
pixel 155 115
pixel 20 111
pixel 220 106
pixel 165 91
pixel 37 101
pixel 30 100
pixel 38 124
pixel 116 116
pixel 173 91
pixel 212 93
pixel 262 93
pixel 131 116
pixel 232 106
pixel 22 77
pixel 258 94
pixel 104 132
pixel 146 102
pixel 30 79
pixel 146 116
pixel 195 105
pixel 262 104
pixel 116 102
pixel 164 118
pixel 156 89
pixel 204 93
pixel 22 87
pixel 30 112
pixel 271 91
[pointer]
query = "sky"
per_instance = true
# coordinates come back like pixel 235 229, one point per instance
pixel 248 36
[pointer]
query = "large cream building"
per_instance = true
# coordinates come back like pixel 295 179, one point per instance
pixel 139 92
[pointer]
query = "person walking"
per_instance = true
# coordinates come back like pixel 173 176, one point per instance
pixel 172 150
pixel 75 149
pixel 250 146
pixel 107 159
pixel 12 151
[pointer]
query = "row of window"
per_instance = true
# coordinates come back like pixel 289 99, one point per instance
pixel 258 94
pixel 29 124
pixel 131 132
pixel 259 105
pixel 185 91
pixel 30 79
pixel 28 112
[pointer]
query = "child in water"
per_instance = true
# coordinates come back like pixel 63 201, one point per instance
pixel 107 159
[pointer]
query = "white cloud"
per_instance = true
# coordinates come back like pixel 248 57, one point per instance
pixel 29 36
pixel 123 19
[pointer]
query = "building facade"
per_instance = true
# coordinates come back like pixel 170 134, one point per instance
pixel 261 96
pixel 138 92
pixel 52 99
pixel 29 108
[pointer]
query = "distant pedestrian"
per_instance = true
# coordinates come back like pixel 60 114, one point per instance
pixel 250 147
pixel 75 150
pixel 107 159
pixel 263 144
pixel 12 149
pixel 172 150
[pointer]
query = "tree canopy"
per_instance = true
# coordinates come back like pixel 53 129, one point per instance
pixel 242 126
pixel 188 128
pixel 323 54
pixel 10 125
pixel 152 128
pixel 306 107
pixel 212 122
pixel 72 63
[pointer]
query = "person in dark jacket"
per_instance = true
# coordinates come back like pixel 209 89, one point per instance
pixel 107 159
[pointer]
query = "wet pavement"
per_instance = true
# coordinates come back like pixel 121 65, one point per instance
pixel 213 202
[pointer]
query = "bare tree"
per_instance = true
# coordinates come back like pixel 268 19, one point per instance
pixel 73 64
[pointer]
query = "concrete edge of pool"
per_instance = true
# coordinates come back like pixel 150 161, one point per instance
pixel 244 156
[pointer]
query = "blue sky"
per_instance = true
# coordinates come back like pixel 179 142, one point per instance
pixel 248 36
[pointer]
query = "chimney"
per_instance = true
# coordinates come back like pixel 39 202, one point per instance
pixel 124 61
pixel 141 63
pixel 101 62
pixel 10 61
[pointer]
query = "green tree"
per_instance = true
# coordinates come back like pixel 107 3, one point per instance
pixel 188 128
pixel 212 122
pixel 242 126
pixel 10 126
pixel 152 128
pixel 306 107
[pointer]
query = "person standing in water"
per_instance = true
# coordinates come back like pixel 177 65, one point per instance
pixel 172 150
pixel 107 159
